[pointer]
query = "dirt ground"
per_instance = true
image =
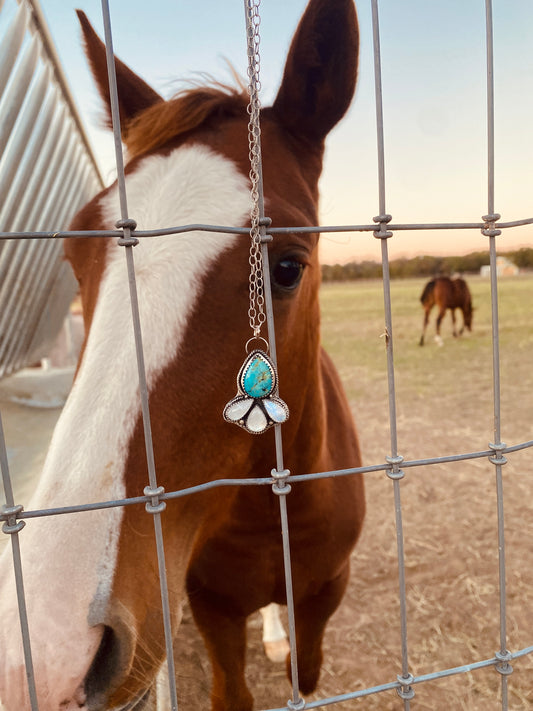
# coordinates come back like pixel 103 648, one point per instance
pixel 449 515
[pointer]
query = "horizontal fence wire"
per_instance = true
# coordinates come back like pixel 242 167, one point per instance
pixel 228 229
pixel 393 465
pixel 385 467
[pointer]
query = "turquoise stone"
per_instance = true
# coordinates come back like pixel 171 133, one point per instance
pixel 258 380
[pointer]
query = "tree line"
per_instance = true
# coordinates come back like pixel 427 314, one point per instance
pixel 423 266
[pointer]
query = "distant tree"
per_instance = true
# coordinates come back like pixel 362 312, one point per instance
pixel 470 263
pixel 523 258
pixel 333 272
pixel 422 266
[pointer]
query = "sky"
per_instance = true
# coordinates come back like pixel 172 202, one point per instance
pixel 434 102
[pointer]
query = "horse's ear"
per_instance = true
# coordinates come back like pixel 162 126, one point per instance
pixel 134 94
pixel 321 69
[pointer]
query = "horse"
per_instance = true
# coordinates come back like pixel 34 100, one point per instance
pixel 91 578
pixel 450 294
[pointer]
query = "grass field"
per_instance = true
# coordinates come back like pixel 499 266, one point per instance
pixel 455 381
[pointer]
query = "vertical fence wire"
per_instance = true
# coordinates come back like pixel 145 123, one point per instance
pixel 503 656
pixel 12 527
pixel 281 488
pixel 406 691
pixel 156 506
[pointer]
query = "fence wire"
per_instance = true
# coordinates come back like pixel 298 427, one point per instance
pixel 394 465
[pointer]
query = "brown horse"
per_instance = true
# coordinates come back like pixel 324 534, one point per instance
pixel 446 293
pixel 91 579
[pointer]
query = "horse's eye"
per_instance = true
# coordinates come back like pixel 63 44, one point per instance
pixel 287 273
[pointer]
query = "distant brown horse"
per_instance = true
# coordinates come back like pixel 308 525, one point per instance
pixel 450 294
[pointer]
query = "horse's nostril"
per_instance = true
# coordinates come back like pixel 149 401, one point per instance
pixel 104 668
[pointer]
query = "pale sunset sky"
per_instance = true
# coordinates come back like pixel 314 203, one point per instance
pixel 434 97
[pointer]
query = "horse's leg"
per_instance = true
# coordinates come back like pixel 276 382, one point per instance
pixel 438 338
pixel 274 638
pixel 454 323
pixel 224 633
pixel 312 613
pixel 461 331
pixel 425 324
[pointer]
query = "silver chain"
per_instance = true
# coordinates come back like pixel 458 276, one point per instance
pixel 256 311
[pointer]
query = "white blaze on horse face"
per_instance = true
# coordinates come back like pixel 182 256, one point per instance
pixel 69 560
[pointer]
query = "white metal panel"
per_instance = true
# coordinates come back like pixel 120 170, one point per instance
pixel 47 171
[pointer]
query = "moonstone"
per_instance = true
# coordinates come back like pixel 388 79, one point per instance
pixel 256 421
pixel 258 379
pixel 238 409
pixel 275 411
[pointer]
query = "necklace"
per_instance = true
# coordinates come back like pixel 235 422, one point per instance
pixel 256 407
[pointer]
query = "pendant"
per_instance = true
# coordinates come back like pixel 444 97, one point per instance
pixel 254 408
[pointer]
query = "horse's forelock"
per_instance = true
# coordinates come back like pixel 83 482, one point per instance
pixel 188 110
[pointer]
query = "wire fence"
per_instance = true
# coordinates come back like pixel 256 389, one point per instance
pixel 393 465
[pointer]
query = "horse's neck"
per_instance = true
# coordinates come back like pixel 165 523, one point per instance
pixel 325 436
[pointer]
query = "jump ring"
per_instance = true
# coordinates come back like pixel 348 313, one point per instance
pixel 256 338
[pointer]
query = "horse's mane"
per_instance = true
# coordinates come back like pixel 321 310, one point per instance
pixel 187 110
